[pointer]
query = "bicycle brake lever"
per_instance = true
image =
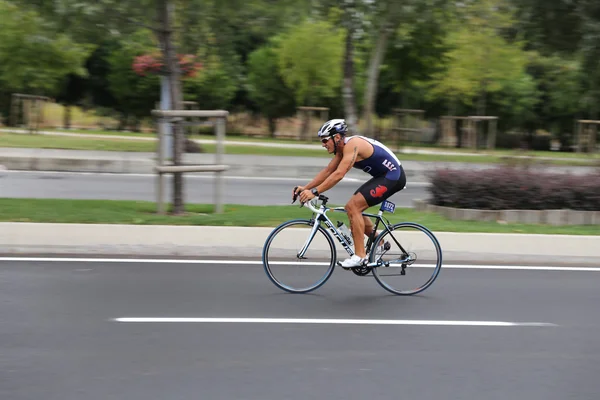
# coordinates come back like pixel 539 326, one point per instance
pixel 294 195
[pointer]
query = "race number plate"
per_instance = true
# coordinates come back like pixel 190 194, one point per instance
pixel 388 206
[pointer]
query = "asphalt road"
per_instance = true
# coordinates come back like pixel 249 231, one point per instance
pixel 198 188
pixel 61 340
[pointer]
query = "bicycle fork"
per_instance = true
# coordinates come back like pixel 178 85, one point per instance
pixel 304 248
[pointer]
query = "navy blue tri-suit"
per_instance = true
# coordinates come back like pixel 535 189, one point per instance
pixel 386 169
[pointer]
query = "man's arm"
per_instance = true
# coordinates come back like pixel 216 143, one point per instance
pixel 324 173
pixel 346 163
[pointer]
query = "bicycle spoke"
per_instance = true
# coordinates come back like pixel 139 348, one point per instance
pixel 411 263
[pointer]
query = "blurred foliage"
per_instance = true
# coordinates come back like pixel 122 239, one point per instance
pixel 135 95
pixel 213 87
pixel 533 63
pixel 312 72
pixel 267 88
pixel 34 58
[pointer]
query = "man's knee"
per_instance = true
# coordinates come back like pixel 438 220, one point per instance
pixel 350 207
pixel 357 204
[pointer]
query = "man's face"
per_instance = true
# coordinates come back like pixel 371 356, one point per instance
pixel 328 143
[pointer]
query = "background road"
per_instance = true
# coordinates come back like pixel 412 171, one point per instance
pixel 60 340
pixel 198 188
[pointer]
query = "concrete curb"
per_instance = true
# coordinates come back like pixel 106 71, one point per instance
pixel 550 217
pixel 217 241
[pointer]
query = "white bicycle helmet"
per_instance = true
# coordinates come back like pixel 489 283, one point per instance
pixel 332 127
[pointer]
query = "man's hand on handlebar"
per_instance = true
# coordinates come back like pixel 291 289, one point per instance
pixel 296 192
pixel 307 195
pixel 303 194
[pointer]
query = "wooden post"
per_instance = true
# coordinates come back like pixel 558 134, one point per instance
pixel 160 178
pixel 586 135
pixel 219 160
pixel 176 168
pixel 579 137
pixel 14 110
pixel 491 139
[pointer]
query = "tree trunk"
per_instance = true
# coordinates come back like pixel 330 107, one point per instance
pixel 137 124
pixel 272 126
pixel 67 117
pixel 165 36
pixel 373 76
pixel 122 122
pixel 348 89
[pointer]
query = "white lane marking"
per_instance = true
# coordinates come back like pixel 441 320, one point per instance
pixel 338 321
pixel 258 262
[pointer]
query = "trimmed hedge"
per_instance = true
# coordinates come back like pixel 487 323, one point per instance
pixel 509 188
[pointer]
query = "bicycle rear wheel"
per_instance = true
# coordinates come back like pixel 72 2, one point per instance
pixel 410 263
pixel 283 265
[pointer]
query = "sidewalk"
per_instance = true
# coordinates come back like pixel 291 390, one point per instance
pixel 244 242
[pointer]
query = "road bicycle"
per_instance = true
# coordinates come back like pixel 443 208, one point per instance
pixel 300 255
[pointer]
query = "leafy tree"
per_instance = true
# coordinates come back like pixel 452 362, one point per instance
pixel 266 86
pixel 589 11
pixel 559 83
pixel 135 95
pixel 213 87
pixel 548 26
pixel 515 103
pixel 233 29
pixel 313 72
pixel 98 18
pixel 414 55
pixel 480 60
pixel 391 20
pixel 33 58
pixel 98 67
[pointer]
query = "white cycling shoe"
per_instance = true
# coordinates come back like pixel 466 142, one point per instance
pixel 354 261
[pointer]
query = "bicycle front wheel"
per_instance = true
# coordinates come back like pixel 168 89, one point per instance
pixel 292 271
pixel 409 258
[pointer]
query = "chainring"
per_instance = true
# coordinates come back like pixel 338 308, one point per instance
pixel 361 271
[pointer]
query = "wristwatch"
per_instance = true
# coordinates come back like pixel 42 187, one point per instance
pixel 314 191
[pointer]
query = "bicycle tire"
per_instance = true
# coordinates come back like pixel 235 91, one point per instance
pixel 429 267
pixel 325 249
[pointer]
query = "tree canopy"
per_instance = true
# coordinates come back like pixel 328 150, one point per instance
pixel 534 63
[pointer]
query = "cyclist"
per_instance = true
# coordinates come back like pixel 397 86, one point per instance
pixel 363 153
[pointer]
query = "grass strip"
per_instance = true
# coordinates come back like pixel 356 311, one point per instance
pixel 144 213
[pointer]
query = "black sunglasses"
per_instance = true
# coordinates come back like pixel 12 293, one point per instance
pixel 326 139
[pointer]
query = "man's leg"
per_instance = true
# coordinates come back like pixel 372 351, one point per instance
pixel 369 194
pixel 368 226
pixel 355 206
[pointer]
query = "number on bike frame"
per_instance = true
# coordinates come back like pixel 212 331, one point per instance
pixel 388 206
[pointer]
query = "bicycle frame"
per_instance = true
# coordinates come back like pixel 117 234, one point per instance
pixel 321 216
